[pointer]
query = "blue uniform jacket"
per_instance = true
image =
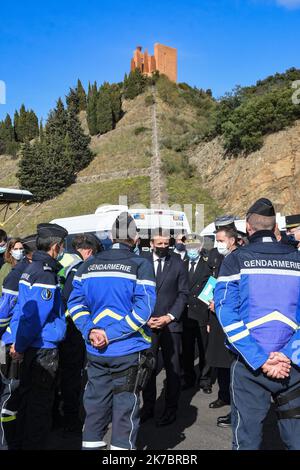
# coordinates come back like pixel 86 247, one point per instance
pixel 39 318
pixel 257 300
pixel 114 291
pixel 10 292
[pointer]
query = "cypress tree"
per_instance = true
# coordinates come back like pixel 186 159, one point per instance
pixel 16 124
pixel 104 111
pixel 81 94
pixel 92 109
pixel 72 100
pixel 116 103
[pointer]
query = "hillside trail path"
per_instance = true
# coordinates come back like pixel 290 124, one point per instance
pixel 158 189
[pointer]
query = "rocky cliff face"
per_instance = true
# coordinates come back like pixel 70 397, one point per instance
pixel 272 172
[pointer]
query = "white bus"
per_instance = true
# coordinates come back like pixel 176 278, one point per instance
pixel 100 223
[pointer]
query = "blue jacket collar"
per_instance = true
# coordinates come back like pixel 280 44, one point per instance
pixel 262 236
pixel 46 259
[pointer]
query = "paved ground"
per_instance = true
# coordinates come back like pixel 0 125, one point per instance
pixel 195 428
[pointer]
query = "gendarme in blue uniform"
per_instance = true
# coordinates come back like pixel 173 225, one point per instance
pixel 115 291
pixel 9 297
pixel 40 319
pixel 257 300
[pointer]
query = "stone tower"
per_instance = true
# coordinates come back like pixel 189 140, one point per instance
pixel 164 60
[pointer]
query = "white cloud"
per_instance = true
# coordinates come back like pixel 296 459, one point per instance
pixel 291 4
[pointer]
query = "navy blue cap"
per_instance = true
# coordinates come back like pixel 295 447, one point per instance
pixel 262 206
pixel 51 230
pixel 292 221
pixel 224 221
pixel 29 242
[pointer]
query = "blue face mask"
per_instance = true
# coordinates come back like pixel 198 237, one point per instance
pixel 135 250
pixel 193 254
pixel 2 249
pixel 60 255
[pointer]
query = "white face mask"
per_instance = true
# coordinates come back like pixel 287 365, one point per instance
pixel 17 254
pixel 3 249
pixel 222 248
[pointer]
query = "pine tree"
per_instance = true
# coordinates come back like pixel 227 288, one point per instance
pixel 104 111
pixel 21 128
pixel 92 109
pixel 81 94
pixel 32 125
pixel 28 167
pixel 77 143
pixel 26 125
pixel 57 167
pixel 8 144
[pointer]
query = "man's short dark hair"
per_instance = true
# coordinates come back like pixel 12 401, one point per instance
pixel 160 232
pixel 45 244
pixel 3 236
pixel 87 241
pixel 229 232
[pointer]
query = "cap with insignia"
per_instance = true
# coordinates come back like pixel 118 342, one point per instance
pixel 29 242
pixel 193 240
pixel 292 221
pixel 51 230
pixel 262 206
pixel 224 221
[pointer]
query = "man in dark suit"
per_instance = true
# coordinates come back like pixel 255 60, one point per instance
pixel 195 318
pixel 172 294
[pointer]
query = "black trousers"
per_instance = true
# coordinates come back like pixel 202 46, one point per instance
pixel 223 377
pixel 194 333
pixel 72 355
pixel 170 344
pixel 37 388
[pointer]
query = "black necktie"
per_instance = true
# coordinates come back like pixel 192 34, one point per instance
pixel 192 270
pixel 159 270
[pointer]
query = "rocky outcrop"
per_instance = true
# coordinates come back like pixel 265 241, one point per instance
pixel 273 172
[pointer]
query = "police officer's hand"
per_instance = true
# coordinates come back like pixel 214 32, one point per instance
pixel 14 354
pixel 281 370
pixel 212 306
pixel 276 357
pixel 98 338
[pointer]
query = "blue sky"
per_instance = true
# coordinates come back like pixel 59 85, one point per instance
pixel 46 46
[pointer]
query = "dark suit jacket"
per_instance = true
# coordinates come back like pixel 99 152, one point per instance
pixel 172 291
pixel 197 310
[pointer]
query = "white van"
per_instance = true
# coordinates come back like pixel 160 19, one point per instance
pixel 210 236
pixel 146 220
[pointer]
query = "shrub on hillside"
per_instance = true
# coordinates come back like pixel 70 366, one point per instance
pixel 140 130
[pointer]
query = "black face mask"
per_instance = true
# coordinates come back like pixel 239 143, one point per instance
pixel 161 252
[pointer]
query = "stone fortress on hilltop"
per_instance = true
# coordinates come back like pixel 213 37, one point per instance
pixel 164 60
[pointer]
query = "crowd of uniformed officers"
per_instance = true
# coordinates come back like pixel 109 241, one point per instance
pixel 84 333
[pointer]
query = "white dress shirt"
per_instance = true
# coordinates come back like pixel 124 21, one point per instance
pixel 155 259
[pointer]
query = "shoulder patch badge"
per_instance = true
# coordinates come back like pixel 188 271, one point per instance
pixel 46 294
